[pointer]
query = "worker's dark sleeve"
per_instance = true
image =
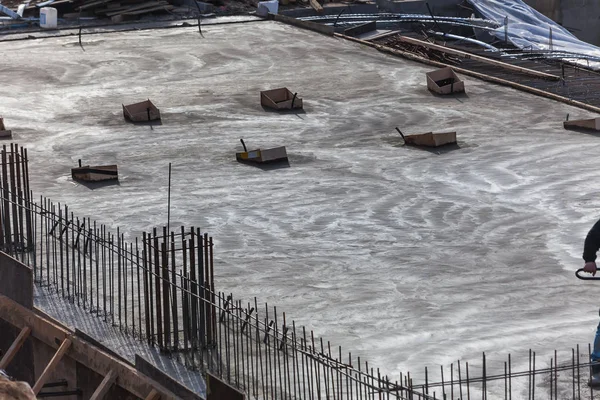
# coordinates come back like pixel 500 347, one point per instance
pixel 592 243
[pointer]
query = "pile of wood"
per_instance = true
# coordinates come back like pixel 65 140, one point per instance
pixel 119 10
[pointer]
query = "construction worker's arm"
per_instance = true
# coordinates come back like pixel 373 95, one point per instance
pixel 590 248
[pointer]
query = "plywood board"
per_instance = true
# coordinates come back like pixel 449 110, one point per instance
pixel 431 139
pixel 590 124
pixel 142 111
pixel 280 99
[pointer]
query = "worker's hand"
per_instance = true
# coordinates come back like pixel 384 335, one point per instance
pixel 590 268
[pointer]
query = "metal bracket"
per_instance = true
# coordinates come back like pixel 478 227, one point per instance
pixel 586 278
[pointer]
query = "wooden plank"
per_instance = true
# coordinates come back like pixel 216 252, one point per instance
pixel 15 347
pixel 590 124
pixel 104 386
pixel 154 395
pixel 316 6
pixel 65 345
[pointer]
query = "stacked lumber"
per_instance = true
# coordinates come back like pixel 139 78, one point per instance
pixel 124 9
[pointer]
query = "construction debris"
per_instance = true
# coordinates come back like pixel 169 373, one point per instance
pixel 280 99
pixel 139 112
pixel 589 124
pixel 429 139
pixel 95 173
pixel 316 6
pixel 444 81
pixel 358 30
pixel 4 133
pixel 272 155
pixel 127 9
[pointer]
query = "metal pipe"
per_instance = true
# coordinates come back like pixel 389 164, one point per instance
pixel 465 39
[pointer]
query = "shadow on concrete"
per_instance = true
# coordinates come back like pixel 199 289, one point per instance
pixel 456 96
pixel 591 132
pixel 296 111
pixel 270 166
pixel 156 122
pixel 98 185
pixel 447 148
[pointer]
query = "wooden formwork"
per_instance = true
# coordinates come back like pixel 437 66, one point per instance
pixel 280 99
pixel 275 154
pixel 67 344
pixel 592 124
pixel 444 81
pixel 96 173
pixel 431 139
pixel 140 112
pixel 4 133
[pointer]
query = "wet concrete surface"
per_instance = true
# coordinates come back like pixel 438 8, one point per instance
pixel 403 256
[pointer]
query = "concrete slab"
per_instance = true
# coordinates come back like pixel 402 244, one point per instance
pixel 405 257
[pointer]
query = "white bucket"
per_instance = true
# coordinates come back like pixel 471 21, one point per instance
pixel 48 17
pixel 265 7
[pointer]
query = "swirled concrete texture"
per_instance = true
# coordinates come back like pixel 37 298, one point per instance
pixel 406 257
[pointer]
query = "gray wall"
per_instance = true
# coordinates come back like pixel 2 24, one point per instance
pixel 16 281
pixel 581 17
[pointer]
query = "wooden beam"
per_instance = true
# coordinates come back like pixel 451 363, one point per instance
pixel 53 363
pixel 315 4
pixel 15 347
pixel 104 386
pixel 154 395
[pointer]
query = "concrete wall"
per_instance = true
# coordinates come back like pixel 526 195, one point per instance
pixel 16 281
pixel 578 16
pixel 550 8
pixel 583 16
